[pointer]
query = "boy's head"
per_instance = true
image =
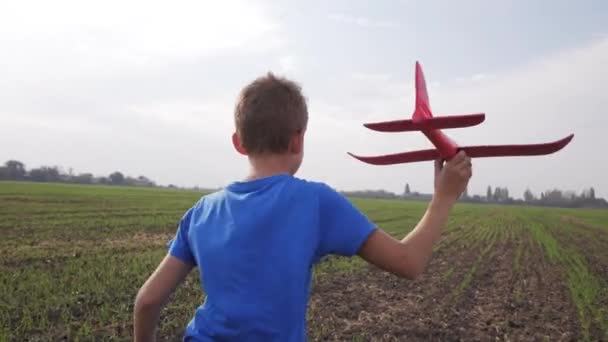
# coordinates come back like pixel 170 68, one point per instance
pixel 271 116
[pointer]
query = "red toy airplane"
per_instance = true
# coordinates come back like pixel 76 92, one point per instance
pixel 423 120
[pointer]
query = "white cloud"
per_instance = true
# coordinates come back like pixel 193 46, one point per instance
pixel 361 21
pixel 287 64
pixel 73 39
pixel 364 96
pixel 478 77
pixel 201 114
pixel 127 85
pixel 370 77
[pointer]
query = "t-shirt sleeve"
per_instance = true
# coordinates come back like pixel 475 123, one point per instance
pixel 343 227
pixel 179 246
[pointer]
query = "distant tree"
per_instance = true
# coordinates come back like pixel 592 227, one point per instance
pixel 130 181
pixel 553 196
pixel 37 175
pixel 496 195
pixel 501 194
pixel 489 193
pixel 592 193
pixel 407 189
pixel 83 178
pixel 528 196
pixel 4 173
pixel 45 174
pixel 53 174
pixel 569 195
pixel 16 169
pixel 144 181
pixel 117 178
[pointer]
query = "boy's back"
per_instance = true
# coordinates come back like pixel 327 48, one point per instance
pixel 255 244
pixel 256 241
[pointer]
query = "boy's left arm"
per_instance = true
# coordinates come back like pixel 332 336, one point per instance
pixel 154 294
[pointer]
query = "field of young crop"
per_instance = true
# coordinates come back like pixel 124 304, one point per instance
pixel 73 257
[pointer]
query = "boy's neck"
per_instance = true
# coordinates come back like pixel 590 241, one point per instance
pixel 268 165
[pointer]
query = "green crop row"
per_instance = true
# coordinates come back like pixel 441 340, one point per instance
pixel 586 288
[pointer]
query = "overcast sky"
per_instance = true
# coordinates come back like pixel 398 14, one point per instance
pixel 148 87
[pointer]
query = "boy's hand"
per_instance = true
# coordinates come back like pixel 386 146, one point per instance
pixel 452 178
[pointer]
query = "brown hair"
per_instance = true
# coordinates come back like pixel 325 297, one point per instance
pixel 269 111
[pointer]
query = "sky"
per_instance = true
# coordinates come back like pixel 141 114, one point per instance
pixel 148 87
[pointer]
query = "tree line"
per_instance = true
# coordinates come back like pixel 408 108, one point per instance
pixel 551 198
pixel 16 171
pixel 501 195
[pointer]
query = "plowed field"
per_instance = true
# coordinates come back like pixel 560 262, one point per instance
pixel 73 257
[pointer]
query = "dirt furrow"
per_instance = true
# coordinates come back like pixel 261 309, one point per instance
pixel 499 302
pixel 527 304
pixel 376 305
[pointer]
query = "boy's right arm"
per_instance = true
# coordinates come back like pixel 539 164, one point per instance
pixel 408 257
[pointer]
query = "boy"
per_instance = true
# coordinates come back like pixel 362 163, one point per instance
pixel 256 241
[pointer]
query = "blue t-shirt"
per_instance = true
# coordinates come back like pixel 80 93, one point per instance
pixel 255 244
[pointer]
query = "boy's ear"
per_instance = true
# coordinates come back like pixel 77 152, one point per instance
pixel 297 142
pixel 236 142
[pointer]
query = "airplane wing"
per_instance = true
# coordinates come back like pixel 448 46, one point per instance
pixel 472 151
pixel 517 150
pixel 452 121
pixel 399 158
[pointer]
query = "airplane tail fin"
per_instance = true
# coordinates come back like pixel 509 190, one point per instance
pixel 423 107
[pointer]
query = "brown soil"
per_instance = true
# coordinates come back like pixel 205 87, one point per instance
pixel 376 306
pixel 541 300
pixel 53 252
